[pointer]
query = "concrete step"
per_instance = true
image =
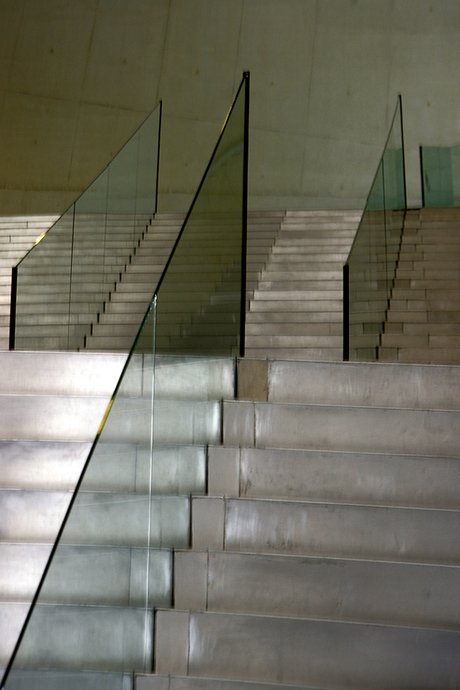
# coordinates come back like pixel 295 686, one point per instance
pixel 110 638
pixel 423 355
pixel 330 476
pixel 343 589
pixel 334 427
pixel 26 373
pixel 372 384
pixel 272 275
pixel 275 341
pixel 304 286
pixel 294 317
pixel 276 305
pixel 298 651
pixel 277 329
pixel 84 575
pixel 326 529
pixel 97 518
pixel 53 418
pixel 423 328
pixel 311 354
pixel 45 465
pixel 161 682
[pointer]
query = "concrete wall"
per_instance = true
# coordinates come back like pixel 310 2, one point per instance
pixel 78 76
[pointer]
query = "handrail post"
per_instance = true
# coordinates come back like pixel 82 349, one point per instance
pixel 346 313
pixel 422 179
pixel 14 290
pixel 244 237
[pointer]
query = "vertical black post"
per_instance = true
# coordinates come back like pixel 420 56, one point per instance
pixel 422 181
pixel 14 289
pixel 346 313
pixel 403 153
pixel 244 239
pixel 158 154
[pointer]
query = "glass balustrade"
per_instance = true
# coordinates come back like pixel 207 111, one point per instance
pixel 65 280
pixel 91 623
pixel 440 172
pixel 370 269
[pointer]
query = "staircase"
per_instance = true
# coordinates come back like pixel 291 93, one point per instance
pixel 17 236
pixel 114 284
pixel 296 311
pixel 423 322
pixel 65 282
pixel 91 613
pixel 51 406
pixel 324 529
pixel 326 553
pixel 118 325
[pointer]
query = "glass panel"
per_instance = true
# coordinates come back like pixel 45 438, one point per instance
pixel 88 248
pixel 371 264
pixel 91 624
pixel 87 288
pixel 440 169
pixel 199 295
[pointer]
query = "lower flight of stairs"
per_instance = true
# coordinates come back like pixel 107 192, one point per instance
pixel 296 311
pixel 326 553
pixel 51 405
pixel 92 610
pixel 423 321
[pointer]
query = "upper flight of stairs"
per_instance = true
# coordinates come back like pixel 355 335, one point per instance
pixel 66 280
pixel 118 325
pixel 294 287
pixel 296 311
pixel 17 236
pixel 423 322
pixel 326 553
pixel 115 287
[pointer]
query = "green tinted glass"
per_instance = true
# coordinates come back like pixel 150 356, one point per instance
pixel 440 170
